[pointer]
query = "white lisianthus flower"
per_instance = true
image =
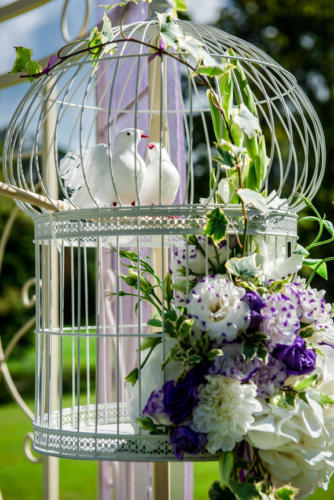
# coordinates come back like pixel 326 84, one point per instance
pixel 311 308
pixel 225 411
pixel 215 304
pixel 280 321
pixel 296 445
pixel 152 378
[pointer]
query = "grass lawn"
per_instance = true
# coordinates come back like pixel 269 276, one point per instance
pixel 20 479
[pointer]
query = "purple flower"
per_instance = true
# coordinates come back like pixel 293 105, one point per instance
pixel 159 52
pixel 255 303
pixel 53 59
pixel 185 440
pixel 155 404
pixel 179 399
pixel 298 359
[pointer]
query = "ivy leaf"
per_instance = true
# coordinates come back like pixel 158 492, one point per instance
pixel 244 491
pixel 253 199
pixel 216 492
pixel 216 225
pixel 244 266
pixel 318 264
pixel 170 31
pixel 23 62
pixel 287 492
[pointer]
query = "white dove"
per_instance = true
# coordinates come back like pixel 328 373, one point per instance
pixel 170 178
pixel 89 175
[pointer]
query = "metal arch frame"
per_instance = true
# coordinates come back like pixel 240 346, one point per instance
pixel 50 468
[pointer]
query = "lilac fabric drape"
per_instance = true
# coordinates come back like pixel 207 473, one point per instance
pixel 131 481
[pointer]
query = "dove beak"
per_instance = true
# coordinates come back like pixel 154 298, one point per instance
pixel 150 146
pixel 144 136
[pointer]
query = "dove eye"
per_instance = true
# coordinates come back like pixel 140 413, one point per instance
pixel 128 133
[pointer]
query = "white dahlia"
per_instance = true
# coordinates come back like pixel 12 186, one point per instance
pixel 215 304
pixel 225 411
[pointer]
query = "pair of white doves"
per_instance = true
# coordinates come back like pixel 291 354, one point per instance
pixel 94 177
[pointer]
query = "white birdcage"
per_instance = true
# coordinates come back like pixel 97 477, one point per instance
pixel 88 333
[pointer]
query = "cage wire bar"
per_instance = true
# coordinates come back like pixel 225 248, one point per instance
pixel 90 413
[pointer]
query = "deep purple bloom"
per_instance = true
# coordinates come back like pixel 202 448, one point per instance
pixel 179 399
pixel 185 440
pixel 298 359
pixel 255 303
pixel 196 376
pixel 155 404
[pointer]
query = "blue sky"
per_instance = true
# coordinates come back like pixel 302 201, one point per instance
pixel 40 31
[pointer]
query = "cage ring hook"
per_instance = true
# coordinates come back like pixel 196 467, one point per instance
pixel 27 449
pixel 64 25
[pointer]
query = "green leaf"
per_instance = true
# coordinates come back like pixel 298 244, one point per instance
pixel 149 343
pixel 168 288
pixel 253 199
pixel 287 493
pixel 248 350
pixel 132 377
pixel 215 117
pixel 184 330
pixel 261 162
pixel 305 383
pixel 214 353
pixel 155 322
pixel 216 492
pixel 226 463
pixel 146 423
pixel 23 62
pixel 180 6
pixel 319 265
pixel 226 93
pixel 324 400
pixel 245 90
pixel 216 225
pixel 227 158
pixel 329 226
pixel 243 267
pixel 244 491
pixel 180 285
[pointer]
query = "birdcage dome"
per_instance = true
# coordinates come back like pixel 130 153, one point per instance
pixel 67 144
pixel 90 104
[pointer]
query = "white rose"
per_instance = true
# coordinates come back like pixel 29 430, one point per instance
pixel 296 445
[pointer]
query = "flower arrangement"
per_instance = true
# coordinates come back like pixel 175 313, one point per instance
pixel 248 374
